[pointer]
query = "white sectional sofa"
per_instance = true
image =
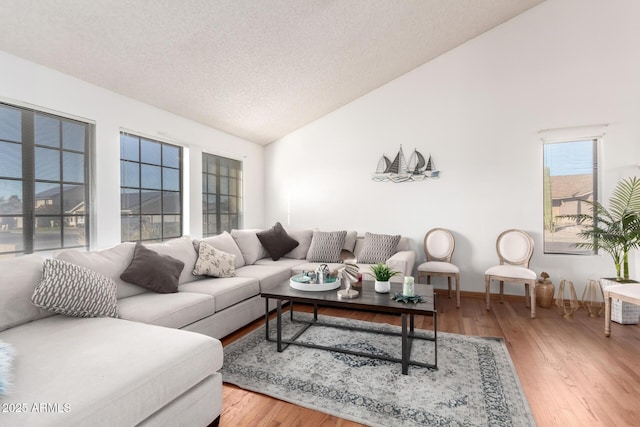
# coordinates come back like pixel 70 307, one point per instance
pixel 158 362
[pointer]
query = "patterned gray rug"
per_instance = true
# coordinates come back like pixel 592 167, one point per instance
pixel 475 384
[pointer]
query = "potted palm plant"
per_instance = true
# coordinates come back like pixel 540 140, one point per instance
pixel 383 274
pixel 615 230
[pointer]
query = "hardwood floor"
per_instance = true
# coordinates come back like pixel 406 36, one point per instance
pixel 571 373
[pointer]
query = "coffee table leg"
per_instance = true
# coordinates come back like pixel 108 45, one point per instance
pixel 279 325
pixel 435 338
pixel 266 318
pixel 315 312
pixel 405 346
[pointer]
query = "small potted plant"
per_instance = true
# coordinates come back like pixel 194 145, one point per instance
pixel 382 274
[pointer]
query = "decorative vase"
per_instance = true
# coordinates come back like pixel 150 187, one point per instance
pixel 382 287
pixel 544 293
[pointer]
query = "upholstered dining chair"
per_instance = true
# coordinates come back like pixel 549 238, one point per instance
pixel 438 249
pixel 515 249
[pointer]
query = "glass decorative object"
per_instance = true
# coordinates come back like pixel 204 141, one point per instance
pixel 593 298
pixel 570 306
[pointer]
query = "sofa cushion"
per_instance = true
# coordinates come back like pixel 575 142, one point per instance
pixel 276 241
pixel 268 275
pixel 109 262
pixel 18 278
pixel 75 291
pixel 378 248
pixel 303 237
pixel 149 269
pixel 249 244
pixel 213 262
pixel 225 291
pixel 326 246
pixel 104 371
pixel 181 249
pixel 225 243
pixel 171 310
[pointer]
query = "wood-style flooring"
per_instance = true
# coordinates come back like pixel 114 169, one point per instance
pixel 571 373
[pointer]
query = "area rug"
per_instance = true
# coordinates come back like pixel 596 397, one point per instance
pixel 475 383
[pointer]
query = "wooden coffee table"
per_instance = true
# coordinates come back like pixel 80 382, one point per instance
pixel 368 300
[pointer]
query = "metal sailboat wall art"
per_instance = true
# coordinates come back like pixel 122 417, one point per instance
pixel 399 170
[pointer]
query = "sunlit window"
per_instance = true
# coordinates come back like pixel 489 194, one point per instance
pixel 221 194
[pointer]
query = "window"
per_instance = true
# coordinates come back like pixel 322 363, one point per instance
pixel 221 194
pixel 44 181
pixel 150 189
pixel 570 180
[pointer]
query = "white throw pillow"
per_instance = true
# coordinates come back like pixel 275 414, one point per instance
pixel 212 262
pixel 75 291
pixel 225 243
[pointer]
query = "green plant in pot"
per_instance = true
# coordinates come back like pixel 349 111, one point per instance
pixel 382 274
pixel 615 230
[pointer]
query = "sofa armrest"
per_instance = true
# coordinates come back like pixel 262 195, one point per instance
pixel 403 261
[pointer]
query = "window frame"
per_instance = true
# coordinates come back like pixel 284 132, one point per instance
pixel 65 147
pixel 234 218
pixel 127 217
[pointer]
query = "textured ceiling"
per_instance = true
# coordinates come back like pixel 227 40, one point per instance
pixel 258 69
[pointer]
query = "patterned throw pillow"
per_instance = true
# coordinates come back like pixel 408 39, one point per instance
pixel 326 246
pixel 75 291
pixel 378 248
pixel 213 262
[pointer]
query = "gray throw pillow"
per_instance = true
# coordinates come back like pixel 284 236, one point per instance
pixel 75 291
pixel 326 246
pixel 378 248
pixel 276 241
pixel 158 273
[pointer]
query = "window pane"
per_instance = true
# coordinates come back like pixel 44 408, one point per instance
pixel 151 227
pixel 150 202
pixel 211 162
pixel 47 131
pixel 170 202
pixel 211 205
pixel 233 184
pixel 74 231
pixel 224 167
pixel 47 198
pixel 224 204
pixel 170 156
pixel 150 152
pixel 224 185
pixel 212 184
pixel 11 239
pixel 10 124
pixel 47 164
pixel 233 221
pixel 129 147
pixel 172 226
pixel 73 199
pixel 73 167
pixel 569 186
pixel 151 177
pixel 48 232
pixel 129 201
pixel 212 227
pixel 171 179
pixel 233 205
pixel 129 174
pixel 10 197
pixel 73 136
pixel 130 228
pixel 10 160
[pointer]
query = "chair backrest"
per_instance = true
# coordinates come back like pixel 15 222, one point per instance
pixel 514 247
pixel 439 245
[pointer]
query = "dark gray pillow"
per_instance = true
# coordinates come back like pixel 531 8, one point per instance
pixel 276 241
pixel 378 248
pixel 326 246
pixel 149 269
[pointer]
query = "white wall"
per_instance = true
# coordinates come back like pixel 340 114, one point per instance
pixel 478 110
pixel 26 82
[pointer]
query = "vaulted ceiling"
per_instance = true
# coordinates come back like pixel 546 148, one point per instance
pixel 258 69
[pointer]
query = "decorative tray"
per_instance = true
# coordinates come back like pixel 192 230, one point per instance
pixel 303 283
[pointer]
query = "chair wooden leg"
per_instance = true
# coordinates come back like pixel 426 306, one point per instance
pixel 449 284
pixel 526 295
pixel 501 292
pixel 428 279
pixel 533 300
pixel 607 316
pixel 457 290
pixel 487 282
